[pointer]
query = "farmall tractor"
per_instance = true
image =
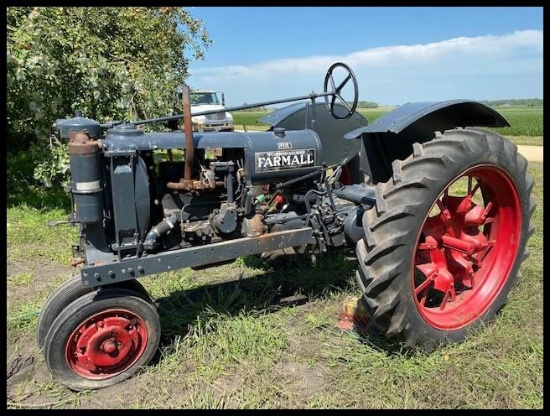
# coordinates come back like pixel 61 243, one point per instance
pixel 438 212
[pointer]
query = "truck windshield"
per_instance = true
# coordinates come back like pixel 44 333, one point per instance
pixel 198 98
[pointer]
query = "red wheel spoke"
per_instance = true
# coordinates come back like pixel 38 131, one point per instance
pixel 450 296
pixel 471 191
pixel 445 214
pixel 430 271
pixel 485 252
pixel 487 210
pixel 424 285
pixel 429 244
pixel 445 195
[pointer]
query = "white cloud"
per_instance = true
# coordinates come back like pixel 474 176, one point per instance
pixel 389 74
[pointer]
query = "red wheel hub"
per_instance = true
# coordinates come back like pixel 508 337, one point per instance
pixel 467 248
pixel 106 344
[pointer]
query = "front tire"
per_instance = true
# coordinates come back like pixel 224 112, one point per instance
pixel 69 291
pixel 445 241
pixel 101 339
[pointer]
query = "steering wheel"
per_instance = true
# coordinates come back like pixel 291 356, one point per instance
pixel 336 90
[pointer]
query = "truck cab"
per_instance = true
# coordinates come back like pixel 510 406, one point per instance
pixel 207 100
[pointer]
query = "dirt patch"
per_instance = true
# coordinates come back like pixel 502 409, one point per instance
pixel 532 153
pixel 42 275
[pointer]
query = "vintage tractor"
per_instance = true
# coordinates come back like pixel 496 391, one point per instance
pixel 438 212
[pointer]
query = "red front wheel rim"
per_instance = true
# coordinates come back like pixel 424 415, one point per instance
pixel 467 248
pixel 106 344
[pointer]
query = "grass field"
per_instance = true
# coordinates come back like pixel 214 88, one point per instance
pixel 248 335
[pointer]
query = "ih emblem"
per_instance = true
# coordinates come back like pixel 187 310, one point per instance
pixel 284 145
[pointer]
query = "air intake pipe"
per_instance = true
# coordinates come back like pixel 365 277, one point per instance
pixel 86 184
pixel 151 239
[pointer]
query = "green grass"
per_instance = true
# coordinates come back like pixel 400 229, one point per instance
pixel 232 339
pixel 247 119
pixel 523 121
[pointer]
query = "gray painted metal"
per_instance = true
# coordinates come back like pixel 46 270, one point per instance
pixel 130 199
pixel 304 115
pixel 78 123
pixel 86 175
pixel 132 139
pixel 106 273
pixel 460 113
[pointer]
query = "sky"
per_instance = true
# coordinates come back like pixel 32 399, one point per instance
pixel 398 54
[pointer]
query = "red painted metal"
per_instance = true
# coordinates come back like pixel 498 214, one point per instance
pixel 106 344
pixel 345 176
pixel 466 251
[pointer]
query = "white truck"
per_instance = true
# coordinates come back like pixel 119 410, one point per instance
pixel 206 100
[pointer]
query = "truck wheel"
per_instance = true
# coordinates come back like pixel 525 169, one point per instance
pixel 101 339
pixel 69 291
pixel 445 241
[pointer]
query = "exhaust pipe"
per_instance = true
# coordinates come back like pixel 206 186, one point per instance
pixel 187 183
pixel 188 127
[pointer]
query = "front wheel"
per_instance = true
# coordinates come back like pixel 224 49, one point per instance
pixel 445 241
pixel 69 291
pixel 102 338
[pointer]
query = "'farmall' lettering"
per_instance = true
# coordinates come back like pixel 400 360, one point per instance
pixel 284 159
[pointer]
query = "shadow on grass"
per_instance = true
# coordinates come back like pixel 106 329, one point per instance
pixel 295 280
pixel 39 198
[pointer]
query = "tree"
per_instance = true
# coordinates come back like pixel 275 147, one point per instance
pixel 112 63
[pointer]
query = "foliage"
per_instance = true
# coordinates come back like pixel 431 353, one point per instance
pixel 367 104
pixel 53 165
pixel 525 102
pixel 109 62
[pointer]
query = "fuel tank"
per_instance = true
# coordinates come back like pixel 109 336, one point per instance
pixel 281 154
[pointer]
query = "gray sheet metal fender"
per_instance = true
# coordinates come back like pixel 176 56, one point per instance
pixel 434 116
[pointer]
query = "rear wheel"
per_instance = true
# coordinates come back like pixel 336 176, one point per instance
pixel 445 241
pixel 101 339
pixel 69 291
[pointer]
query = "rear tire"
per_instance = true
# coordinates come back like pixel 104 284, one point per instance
pixel 101 339
pixel 435 262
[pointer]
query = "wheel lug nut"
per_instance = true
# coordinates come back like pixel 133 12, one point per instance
pixel 108 346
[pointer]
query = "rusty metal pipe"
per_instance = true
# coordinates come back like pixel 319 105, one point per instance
pixel 192 185
pixel 188 132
